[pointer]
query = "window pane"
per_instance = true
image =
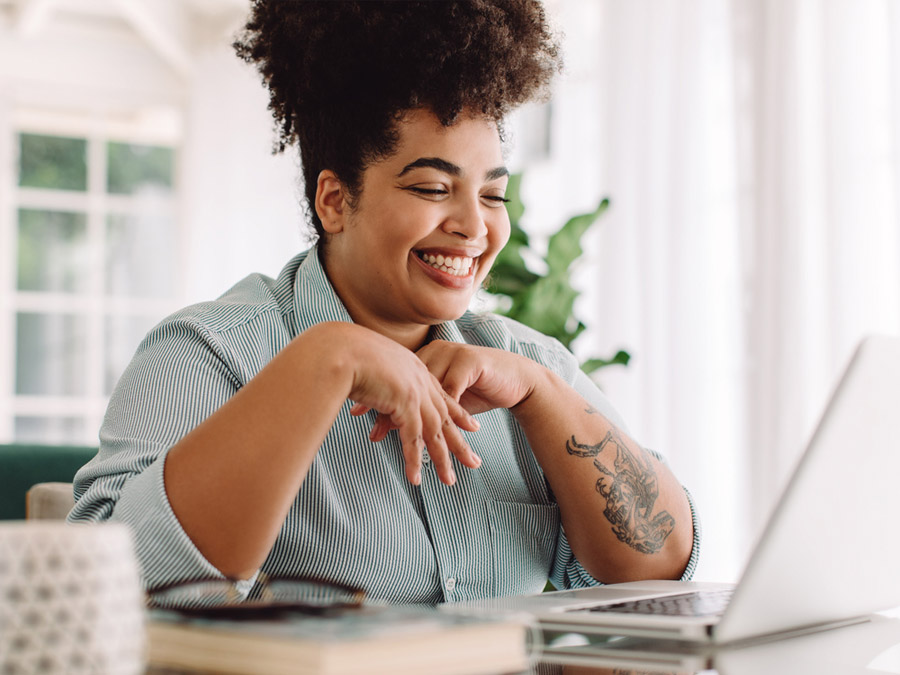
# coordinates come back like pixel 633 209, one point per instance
pixel 53 251
pixel 141 254
pixel 50 430
pixel 52 162
pixel 135 167
pixel 123 335
pixel 50 354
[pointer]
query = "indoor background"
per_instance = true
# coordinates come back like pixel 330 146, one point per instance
pixel 750 150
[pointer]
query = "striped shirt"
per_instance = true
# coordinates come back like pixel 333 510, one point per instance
pixel 356 519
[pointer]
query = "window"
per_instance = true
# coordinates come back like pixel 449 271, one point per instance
pixel 93 260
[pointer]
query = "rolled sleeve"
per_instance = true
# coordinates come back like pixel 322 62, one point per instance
pixel 166 553
pixel 179 377
pixel 568 573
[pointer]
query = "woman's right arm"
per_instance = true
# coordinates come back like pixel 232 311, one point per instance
pixel 232 480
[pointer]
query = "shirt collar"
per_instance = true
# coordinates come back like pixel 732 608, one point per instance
pixel 448 331
pixel 315 300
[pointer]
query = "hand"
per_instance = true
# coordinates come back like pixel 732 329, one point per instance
pixel 480 378
pixel 392 380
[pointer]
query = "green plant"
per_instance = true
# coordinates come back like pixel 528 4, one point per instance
pixel 546 301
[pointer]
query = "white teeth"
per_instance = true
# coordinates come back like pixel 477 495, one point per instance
pixel 458 266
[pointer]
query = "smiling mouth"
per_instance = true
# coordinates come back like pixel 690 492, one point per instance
pixel 458 266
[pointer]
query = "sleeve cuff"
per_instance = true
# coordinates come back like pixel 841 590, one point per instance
pixel 695 546
pixel 166 554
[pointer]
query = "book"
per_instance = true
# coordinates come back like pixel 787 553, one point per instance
pixel 370 639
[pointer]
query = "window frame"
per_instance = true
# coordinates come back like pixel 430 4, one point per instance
pixel 95 303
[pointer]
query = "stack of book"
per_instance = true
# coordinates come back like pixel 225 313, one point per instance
pixel 371 639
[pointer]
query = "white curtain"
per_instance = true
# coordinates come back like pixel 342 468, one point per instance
pixel 751 150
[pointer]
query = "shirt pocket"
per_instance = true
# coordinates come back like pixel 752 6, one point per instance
pixel 523 544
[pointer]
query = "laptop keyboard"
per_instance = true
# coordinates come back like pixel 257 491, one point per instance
pixel 697 603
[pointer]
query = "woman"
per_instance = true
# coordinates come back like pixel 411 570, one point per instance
pixel 351 419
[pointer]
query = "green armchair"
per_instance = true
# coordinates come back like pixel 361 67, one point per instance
pixel 22 466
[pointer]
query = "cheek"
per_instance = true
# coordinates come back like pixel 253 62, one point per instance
pixel 498 232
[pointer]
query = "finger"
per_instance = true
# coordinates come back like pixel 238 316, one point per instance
pixel 435 442
pixel 411 443
pixel 381 428
pixel 457 379
pixel 437 358
pixel 359 409
pixel 451 436
pixel 457 445
pixel 455 369
pixel 460 416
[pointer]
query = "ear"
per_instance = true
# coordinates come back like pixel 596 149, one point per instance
pixel 330 205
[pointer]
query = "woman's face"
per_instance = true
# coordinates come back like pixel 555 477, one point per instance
pixel 426 227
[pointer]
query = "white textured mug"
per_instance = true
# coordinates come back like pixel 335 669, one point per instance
pixel 70 599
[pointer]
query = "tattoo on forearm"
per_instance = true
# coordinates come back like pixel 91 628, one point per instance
pixel 631 489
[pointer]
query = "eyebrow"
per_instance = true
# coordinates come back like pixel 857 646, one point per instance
pixel 494 174
pixel 449 168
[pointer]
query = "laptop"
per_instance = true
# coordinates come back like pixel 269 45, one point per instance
pixel 868 647
pixel 829 554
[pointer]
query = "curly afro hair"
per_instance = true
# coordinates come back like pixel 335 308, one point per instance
pixel 341 74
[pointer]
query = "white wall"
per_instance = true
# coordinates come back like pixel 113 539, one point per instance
pixel 241 207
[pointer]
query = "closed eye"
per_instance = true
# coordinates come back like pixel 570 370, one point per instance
pixel 428 192
pixel 497 199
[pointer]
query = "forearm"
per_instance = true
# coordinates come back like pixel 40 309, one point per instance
pixel 231 480
pixel 625 514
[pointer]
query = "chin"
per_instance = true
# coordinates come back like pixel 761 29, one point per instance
pixel 444 315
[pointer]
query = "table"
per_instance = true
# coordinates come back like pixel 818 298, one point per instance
pixel 868 648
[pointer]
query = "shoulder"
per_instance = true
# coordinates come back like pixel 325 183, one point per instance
pixel 499 329
pixel 493 330
pixel 244 328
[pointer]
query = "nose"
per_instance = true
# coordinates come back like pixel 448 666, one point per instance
pixel 467 220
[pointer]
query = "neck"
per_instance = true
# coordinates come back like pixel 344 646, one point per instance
pixel 410 335
pixel 413 337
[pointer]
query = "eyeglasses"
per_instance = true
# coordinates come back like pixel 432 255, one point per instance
pixel 220 597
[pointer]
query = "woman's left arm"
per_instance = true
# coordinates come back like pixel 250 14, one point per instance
pixel 625 514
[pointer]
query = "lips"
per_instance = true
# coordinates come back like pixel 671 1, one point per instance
pixel 458 266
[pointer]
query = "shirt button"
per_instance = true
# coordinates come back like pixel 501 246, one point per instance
pixel 425 457
pixel 450 584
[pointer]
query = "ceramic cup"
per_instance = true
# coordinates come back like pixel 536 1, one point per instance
pixel 70 599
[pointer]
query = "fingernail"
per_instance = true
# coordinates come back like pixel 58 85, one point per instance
pixel 451 476
pixel 417 479
pixel 476 459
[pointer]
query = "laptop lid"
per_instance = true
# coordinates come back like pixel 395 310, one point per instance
pixel 830 548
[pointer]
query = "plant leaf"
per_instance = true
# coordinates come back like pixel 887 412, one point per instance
pixel 564 247
pixel 621 358
pixel 547 306
pixel 509 279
